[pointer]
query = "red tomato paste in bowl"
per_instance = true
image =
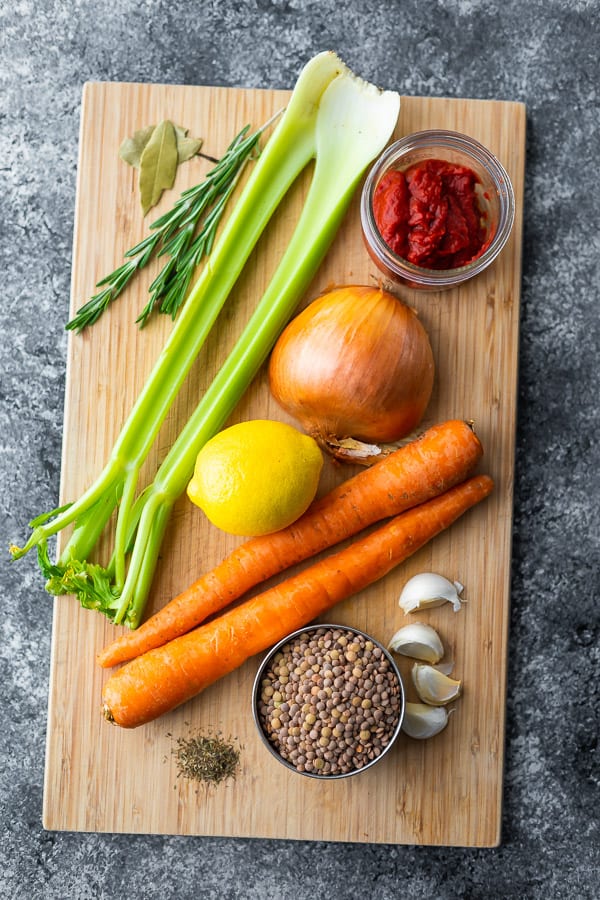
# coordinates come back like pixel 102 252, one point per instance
pixel 437 208
pixel 430 214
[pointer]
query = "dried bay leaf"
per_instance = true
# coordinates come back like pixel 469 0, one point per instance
pixel 132 147
pixel 158 165
pixel 186 146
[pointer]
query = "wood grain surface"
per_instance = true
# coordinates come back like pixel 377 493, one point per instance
pixel 445 791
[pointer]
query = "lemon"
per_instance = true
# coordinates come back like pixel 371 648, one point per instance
pixel 256 477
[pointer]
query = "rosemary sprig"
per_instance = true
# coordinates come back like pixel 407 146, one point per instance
pixel 185 235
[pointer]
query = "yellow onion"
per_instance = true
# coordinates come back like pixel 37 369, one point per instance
pixel 355 369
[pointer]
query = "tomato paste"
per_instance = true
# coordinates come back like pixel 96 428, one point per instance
pixel 429 214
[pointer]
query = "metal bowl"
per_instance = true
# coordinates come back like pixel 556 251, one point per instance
pixel 280 740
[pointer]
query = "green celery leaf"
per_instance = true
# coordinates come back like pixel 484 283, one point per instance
pixel 90 582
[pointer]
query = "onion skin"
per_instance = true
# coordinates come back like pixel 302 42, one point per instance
pixel 355 364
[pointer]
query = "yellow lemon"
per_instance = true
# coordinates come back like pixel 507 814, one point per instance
pixel 256 477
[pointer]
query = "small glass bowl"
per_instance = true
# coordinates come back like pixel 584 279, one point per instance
pixel 495 194
pixel 266 730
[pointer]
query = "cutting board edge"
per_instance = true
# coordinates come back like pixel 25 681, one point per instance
pixel 166 85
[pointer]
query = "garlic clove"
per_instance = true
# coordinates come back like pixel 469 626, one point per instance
pixel 446 667
pixel 422 721
pixel 418 641
pixel 433 686
pixel 427 590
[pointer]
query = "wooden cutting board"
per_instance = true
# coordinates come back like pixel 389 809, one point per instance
pixel 447 790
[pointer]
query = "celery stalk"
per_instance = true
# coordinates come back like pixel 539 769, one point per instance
pixel 343 123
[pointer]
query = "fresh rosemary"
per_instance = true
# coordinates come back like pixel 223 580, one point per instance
pixel 185 235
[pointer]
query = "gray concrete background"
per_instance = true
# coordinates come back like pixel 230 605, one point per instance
pixel 544 53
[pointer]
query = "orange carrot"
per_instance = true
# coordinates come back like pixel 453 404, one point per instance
pixel 424 468
pixel 167 676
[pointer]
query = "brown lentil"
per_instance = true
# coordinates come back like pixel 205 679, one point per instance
pixel 333 721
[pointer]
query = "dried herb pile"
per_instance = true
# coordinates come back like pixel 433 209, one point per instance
pixel 206 758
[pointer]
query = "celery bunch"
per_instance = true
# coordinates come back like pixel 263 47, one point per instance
pixel 342 123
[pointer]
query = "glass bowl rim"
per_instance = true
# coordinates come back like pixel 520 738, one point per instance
pixel 474 150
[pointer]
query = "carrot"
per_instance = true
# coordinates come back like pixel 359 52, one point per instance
pixel 424 468
pixel 158 681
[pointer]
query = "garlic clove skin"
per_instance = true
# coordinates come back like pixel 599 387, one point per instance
pixel 428 590
pixel 418 641
pixel 446 667
pixel 422 721
pixel 433 686
pixel 350 450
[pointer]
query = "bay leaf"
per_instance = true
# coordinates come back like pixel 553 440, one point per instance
pixel 158 165
pixel 132 147
pixel 186 146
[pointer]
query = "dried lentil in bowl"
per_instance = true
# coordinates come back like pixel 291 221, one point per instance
pixel 330 701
